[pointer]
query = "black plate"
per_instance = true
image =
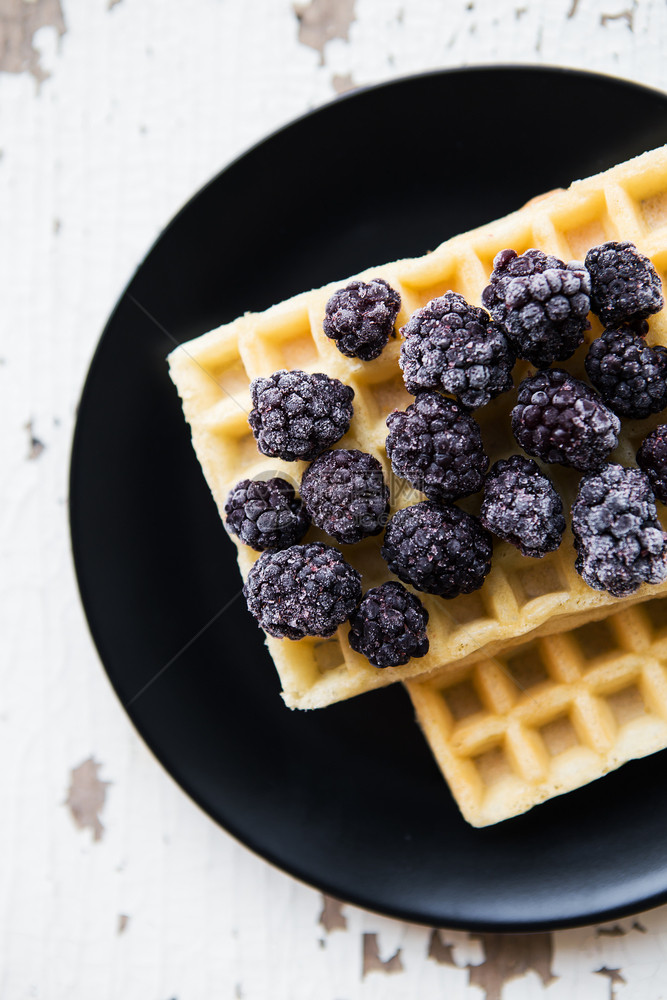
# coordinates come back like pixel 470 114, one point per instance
pixel 346 798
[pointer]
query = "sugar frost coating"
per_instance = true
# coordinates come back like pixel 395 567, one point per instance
pixel 437 447
pixel 451 346
pixel 302 590
pixel 360 318
pixel 630 376
pixel 266 514
pixel 521 505
pixel 625 286
pixel 438 549
pixel 346 495
pixel 389 626
pixel 541 302
pixel 296 415
pixel 617 534
pixel 652 459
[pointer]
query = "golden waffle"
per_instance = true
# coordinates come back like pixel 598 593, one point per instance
pixel 520 595
pixel 550 715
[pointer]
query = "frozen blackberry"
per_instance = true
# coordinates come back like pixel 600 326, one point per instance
pixel 389 626
pixel 521 505
pixel 437 447
pixel 652 459
pixel 302 590
pixel 617 535
pixel 541 302
pixel 438 549
pixel 361 316
pixel 266 514
pixel 452 346
pixel 625 286
pixel 346 495
pixel 296 415
pixel 563 421
pixel 630 376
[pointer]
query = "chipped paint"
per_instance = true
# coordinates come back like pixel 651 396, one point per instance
pixel 615 978
pixel 342 82
pixel 573 9
pixel 35 446
pixel 332 917
pixel 439 950
pixel 322 20
pixel 372 962
pixel 18 23
pixel 112 3
pixel 623 15
pixel 615 931
pixel 86 797
pixel 508 956
pixel 123 921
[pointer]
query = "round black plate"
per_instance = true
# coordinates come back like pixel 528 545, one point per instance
pixel 346 798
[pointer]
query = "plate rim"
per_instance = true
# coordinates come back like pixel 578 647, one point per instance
pixel 404 914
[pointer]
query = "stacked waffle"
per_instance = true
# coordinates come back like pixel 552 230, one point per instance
pixel 496 756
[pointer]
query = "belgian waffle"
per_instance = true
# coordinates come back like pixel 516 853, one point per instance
pixel 514 730
pixel 520 596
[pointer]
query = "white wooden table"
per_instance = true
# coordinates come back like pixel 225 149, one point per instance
pixel 112 883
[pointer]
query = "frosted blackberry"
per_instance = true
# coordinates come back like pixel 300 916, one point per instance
pixel 522 506
pixel 452 346
pixel 302 590
pixel 630 376
pixel 617 535
pixel 563 421
pixel 437 447
pixel 296 415
pixel 438 549
pixel 346 495
pixel 360 318
pixel 389 626
pixel 541 302
pixel 625 286
pixel 652 459
pixel 266 514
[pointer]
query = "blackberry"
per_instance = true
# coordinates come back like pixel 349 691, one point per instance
pixel 521 505
pixel 563 421
pixel 346 495
pixel 437 447
pixel 302 590
pixel 541 302
pixel 617 535
pixel 296 415
pixel 625 284
pixel 438 549
pixel 266 514
pixel 360 318
pixel 630 376
pixel 652 459
pixel 389 626
pixel 452 346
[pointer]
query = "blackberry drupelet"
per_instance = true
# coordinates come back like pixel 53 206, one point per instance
pixel 617 535
pixel 437 447
pixel 521 505
pixel 360 318
pixel 389 626
pixel 438 549
pixel 346 495
pixel 266 514
pixel 630 376
pixel 563 421
pixel 625 286
pixel 296 415
pixel 541 302
pixel 452 346
pixel 302 590
pixel 652 459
